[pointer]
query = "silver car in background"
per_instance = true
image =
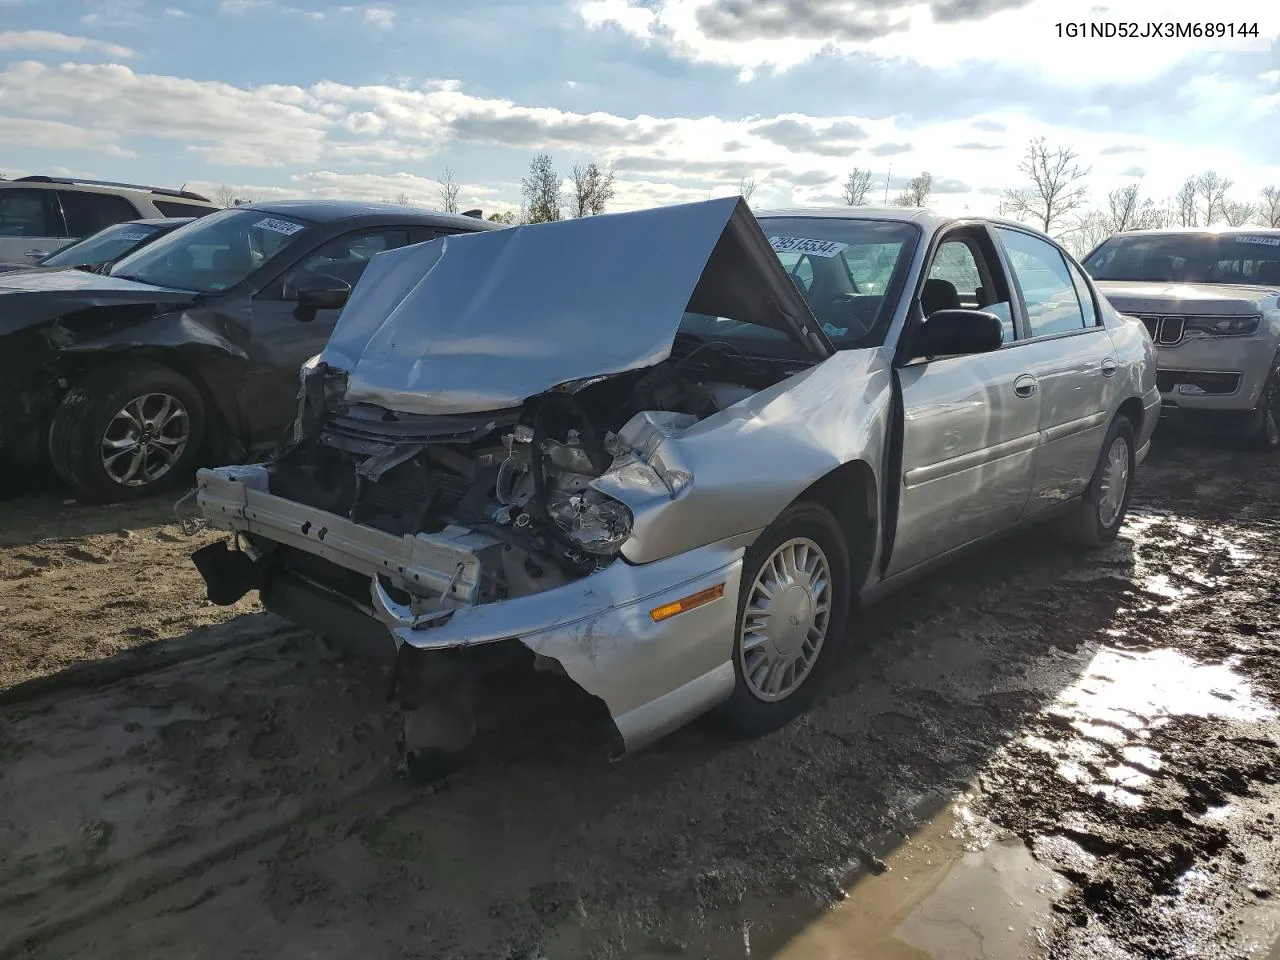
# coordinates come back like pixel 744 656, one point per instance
pixel 671 452
pixel 1211 300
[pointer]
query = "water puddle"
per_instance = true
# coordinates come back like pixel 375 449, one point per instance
pixel 958 889
pixel 939 900
pixel 1119 699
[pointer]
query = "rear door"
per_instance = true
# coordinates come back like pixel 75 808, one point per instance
pixel 31 225
pixel 1072 359
pixel 284 337
pixel 971 423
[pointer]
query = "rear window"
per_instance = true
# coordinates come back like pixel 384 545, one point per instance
pixel 172 208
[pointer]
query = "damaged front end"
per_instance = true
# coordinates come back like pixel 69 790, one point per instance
pixel 496 517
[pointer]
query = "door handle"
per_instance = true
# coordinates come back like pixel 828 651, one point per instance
pixel 1025 386
pixel 1109 367
pixel 36 253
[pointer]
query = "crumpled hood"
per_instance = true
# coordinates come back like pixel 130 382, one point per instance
pixel 30 298
pixel 1212 299
pixel 483 321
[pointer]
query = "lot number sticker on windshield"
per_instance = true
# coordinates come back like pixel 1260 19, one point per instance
pixel 814 248
pixel 1268 241
pixel 286 227
pixel 133 235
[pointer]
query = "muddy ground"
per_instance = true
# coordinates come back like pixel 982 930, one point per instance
pixel 1038 753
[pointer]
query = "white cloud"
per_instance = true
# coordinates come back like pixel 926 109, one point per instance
pixel 343 130
pixel 176 13
pixel 384 18
pixel 780 35
pixel 60 42
pixel 235 7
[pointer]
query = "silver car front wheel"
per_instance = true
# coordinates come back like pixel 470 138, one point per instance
pixel 786 618
pixel 794 601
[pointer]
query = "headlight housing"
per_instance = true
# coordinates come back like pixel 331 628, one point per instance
pixel 595 522
pixel 1224 326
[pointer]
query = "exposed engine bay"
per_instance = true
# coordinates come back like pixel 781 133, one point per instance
pixel 521 477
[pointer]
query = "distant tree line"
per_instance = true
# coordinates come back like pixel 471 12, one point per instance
pixel 1053 195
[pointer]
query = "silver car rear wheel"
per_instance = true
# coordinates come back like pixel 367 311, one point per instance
pixel 1113 481
pixel 786 618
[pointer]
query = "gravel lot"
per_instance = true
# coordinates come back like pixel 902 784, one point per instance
pixel 1040 752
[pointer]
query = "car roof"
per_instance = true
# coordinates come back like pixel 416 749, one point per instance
pixel 331 211
pixel 1181 231
pixel 930 220
pixel 159 221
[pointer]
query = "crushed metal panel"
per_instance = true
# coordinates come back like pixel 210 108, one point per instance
pixel 484 321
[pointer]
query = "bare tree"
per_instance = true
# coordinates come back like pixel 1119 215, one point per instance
pixel 1237 213
pixel 448 191
pixel 506 216
pixel 592 189
pixel 1185 203
pixel 917 192
pixel 1269 208
pixel 402 199
pixel 1212 189
pixel 542 191
pixel 1057 185
pixel 224 196
pixel 746 188
pixel 856 187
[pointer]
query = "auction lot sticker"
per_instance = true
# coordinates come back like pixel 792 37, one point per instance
pixel 1253 238
pixel 286 227
pixel 814 248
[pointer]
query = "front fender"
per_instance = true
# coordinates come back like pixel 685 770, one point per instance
pixel 732 474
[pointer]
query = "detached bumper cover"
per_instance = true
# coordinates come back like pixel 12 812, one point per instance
pixel 654 677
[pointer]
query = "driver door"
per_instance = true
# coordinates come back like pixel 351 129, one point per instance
pixel 971 423
pixel 284 336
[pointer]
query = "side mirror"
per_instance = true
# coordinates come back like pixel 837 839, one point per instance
pixel 949 333
pixel 319 292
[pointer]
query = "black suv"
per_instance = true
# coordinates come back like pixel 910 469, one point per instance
pixel 189 348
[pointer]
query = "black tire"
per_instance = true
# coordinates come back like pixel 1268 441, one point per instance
pixel 91 407
pixel 1085 526
pixel 745 713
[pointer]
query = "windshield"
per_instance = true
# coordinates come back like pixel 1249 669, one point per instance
pixel 103 247
pixel 213 253
pixel 850 272
pixel 1245 258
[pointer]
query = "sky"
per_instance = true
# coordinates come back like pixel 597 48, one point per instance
pixel 684 98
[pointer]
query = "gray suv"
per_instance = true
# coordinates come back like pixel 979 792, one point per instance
pixel 1211 299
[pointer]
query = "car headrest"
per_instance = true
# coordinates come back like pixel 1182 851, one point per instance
pixel 939 295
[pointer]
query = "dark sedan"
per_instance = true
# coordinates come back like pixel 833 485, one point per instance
pixel 100 250
pixel 187 349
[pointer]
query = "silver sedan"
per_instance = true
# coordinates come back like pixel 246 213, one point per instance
pixel 671 453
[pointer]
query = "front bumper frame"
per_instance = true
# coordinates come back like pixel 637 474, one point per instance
pixel 653 677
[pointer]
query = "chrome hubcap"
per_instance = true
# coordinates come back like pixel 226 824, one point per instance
pixel 1114 482
pixel 145 439
pixel 785 620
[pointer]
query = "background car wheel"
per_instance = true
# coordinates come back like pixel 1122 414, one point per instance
pixel 127 431
pixel 793 610
pixel 1267 434
pixel 1097 520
